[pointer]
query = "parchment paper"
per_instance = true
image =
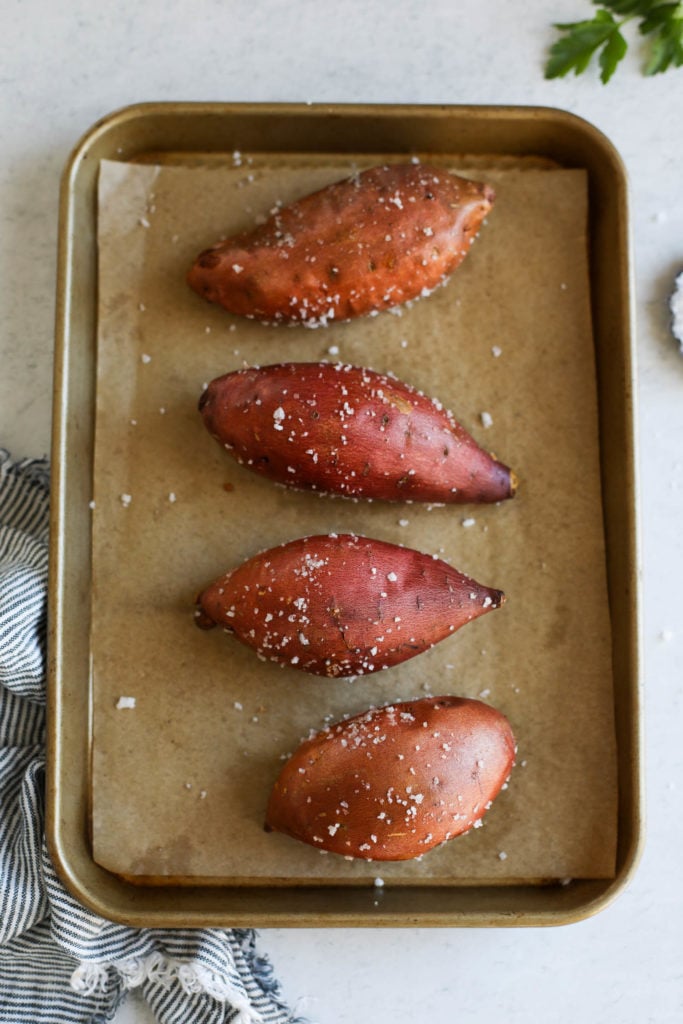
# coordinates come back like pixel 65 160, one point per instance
pixel 180 781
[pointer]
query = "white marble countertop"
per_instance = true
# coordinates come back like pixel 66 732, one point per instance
pixel 66 64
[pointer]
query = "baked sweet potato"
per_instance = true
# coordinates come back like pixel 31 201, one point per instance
pixel 342 605
pixel 394 782
pixel 372 241
pixel 346 430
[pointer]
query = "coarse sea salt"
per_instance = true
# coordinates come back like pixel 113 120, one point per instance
pixel 125 703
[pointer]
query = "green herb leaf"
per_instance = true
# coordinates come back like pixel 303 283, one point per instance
pixel 665 53
pixel 659 16
pixel 611 54
pixel 573 52
pixel 665 24
pixel 601 35
pixel 627 7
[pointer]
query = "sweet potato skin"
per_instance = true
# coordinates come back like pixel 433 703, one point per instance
pixel 362 245
pixel 342 605
pixel 347 430
pixel 394 782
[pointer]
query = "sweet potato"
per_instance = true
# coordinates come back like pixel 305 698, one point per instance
pixel 394 782
pixel 380 238
pixel 345 430
pixel 342 605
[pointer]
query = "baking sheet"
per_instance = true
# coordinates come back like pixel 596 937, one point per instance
pixel 180 781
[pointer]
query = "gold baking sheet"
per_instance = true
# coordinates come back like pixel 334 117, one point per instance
pixel 187 134
pixel 180 781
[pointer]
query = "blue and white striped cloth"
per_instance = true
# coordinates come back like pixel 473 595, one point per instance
pixel 59 961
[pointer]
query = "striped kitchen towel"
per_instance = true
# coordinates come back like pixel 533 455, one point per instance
pixel 59 961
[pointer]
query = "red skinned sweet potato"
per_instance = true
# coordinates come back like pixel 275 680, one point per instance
pixel 372 241
pixel 394 782
pixel 342 605
pixel 346 430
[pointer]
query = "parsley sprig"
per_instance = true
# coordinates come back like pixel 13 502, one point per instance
pixel 661 22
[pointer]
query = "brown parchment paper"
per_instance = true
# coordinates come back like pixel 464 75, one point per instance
pixel 180 781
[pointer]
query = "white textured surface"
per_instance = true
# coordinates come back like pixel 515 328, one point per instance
pixel 66 64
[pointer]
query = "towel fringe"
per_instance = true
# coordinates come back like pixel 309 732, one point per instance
pixel 90 978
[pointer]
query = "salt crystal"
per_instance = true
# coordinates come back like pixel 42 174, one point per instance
pixel 125 702
pixel 172 497
pixel 145 358
pixel 126 500
pixel 496 351
pixel 502 855
pixel 468 522
pixel 278 417
pixel 486 419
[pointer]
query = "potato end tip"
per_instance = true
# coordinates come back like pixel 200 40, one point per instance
pixel 201 619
